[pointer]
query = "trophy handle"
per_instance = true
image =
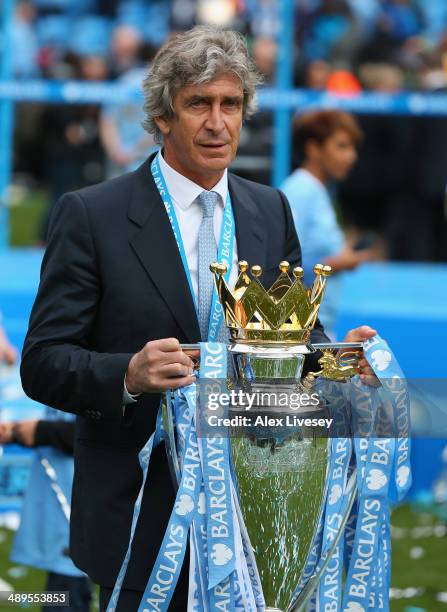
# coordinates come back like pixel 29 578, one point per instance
pixel 303 597
pixel 340 367
pixel 317 346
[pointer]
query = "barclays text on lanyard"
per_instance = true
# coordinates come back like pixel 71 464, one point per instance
pixel 224 251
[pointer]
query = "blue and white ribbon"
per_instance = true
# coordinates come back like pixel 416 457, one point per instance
pixel 379 462
pixel 215 453
pixel 223 574
pixel 206 510
pixel 166 571
pixel 144 457
pixel 330 584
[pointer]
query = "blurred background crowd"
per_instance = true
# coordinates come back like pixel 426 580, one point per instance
pixel 395 194
pixel 404 40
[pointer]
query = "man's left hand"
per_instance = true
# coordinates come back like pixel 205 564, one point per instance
pixel 25 432
pixel 360 334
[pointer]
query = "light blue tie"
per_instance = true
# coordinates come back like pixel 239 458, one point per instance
pixel 207 254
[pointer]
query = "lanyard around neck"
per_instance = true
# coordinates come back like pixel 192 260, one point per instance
pixel 224 251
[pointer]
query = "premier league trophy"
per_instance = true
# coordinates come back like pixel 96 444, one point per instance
pixel 281 466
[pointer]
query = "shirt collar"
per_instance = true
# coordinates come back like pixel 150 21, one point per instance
pixel 184 191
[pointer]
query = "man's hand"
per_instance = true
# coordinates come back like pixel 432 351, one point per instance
pixel 25 432
pixel 8 353
pixel 361 334
pixel 6 433
pixel 160 365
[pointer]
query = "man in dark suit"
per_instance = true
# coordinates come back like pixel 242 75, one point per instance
pixel 116 298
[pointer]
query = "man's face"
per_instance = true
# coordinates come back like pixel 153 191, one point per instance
pixel 202 137
pixel 337 155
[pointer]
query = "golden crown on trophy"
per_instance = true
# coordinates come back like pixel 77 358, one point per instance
pixel 284 314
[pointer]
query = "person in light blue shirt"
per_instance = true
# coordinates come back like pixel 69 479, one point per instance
pixel 125 142
pixel 43 535
pixel 327 142
pixel 8 353
pixel 24 41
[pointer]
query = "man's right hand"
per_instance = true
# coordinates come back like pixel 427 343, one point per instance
pixel 160 365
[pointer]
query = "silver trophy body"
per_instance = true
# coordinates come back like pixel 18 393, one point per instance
pixel 281 472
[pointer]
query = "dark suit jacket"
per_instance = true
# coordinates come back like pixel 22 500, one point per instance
pixel 112 279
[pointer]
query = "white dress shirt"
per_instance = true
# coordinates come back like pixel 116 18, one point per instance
pixel 184 195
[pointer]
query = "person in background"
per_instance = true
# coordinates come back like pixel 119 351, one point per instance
pixel 125 142
pixel 125 50
pixel 8 353
pixel 42 538
pixel 123 138
pixel 390 181
pixel 33 433
pixel 326 143
pixel 331 31
pixel 317 75
pixel 366 12
pixel 382 77
pixel 253 161
pixel 343 83
pixel 73 156
pixel 265 53
pixel 24 41
pixel 403 18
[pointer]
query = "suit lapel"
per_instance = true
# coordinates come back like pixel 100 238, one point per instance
pixel 155 247
pixel 250 234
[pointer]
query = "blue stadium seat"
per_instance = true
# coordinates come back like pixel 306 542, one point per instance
pixel 53 30
pixel 132 6
pixel 61 5
pixel 81 7
pixel 133 13
pixel 91 35
pixel 435 14
pixel 68 7
pixel 156 28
